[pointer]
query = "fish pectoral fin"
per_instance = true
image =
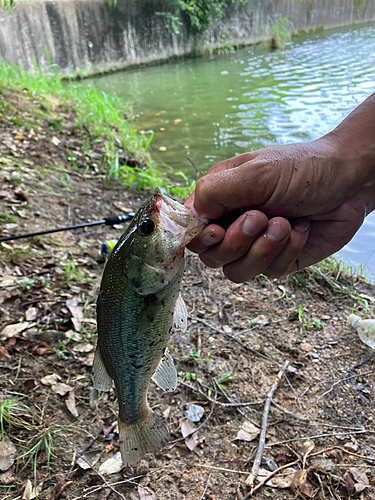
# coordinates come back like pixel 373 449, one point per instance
pixel 165 375
pixel 180 313
pixel 102 381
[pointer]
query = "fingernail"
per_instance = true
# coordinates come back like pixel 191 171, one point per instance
pixel 208 239
pixel 275 231
pixel 250 227
pixel 301 225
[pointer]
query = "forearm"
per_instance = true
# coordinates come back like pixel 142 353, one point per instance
pixel 355 142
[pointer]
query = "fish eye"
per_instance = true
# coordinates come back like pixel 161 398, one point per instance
pixel 147 227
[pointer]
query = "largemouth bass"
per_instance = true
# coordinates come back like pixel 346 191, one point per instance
pixel 138 302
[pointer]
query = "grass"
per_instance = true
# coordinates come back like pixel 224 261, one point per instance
pixel 40 431
pixel 101 116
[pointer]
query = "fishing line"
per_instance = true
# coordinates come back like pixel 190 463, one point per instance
pixel 109 221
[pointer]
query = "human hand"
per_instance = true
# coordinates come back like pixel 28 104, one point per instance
pixel 291 206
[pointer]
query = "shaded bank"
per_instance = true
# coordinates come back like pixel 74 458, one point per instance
pixel 88 35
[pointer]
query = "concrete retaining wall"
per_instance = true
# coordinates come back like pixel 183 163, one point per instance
pixel 89 35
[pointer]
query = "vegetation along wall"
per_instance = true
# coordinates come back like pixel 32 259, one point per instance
pixel 89 35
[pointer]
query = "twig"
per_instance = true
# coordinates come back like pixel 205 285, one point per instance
pixel 251 371
pixel 230 400
pixel 318 436
pixel 205 488
pixel 224 405
pixel 262 438
pixel 304 419
pixel 344 379
pixel 237 341
pixel 223 469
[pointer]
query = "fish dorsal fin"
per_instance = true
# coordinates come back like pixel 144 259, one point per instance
pixel 165 375
pixel 102 381
pixel 180 314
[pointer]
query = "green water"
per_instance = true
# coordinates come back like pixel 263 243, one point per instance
pixel 216 107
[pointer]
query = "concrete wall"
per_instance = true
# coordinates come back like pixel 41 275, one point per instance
pixel 89 35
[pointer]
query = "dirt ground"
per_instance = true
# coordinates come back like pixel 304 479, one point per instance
pixel 321 423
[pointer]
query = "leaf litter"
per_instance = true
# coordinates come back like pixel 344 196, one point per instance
pixel 48 289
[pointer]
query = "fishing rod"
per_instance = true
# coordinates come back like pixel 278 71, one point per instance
pixel 109 221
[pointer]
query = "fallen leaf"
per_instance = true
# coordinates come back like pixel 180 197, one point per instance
pixel 187 427
pixel 31 313
pixel 14 329
pixel 44 351
pixel 86 347
pixel 281 458
pixel 27 491
pixel 50 379
pixel 121 207
pixel 7 453
pixel 71 404
pixel 146 493
pixel 55 141
pixel 282 480
pixel 4 355
pixel 162 148
pixel 61 388
pixel 77 314
pixel 194 412
pixel 162 129
pixel 248 432
pixel 360 479
pixel 177 120
pixel 112 465
pixel 88 460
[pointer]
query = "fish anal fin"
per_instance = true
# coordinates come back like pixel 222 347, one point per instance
pixel 136 440
pixel 180 314
pixel 165 375
pixel 102 381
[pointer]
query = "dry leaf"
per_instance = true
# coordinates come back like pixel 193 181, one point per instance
pixel 298 479
pixel 61 388
pixel 88 460
pixel 112 465
pixel 187 427
pixel 283 480
pixel 31 313
pixel 27 491
pixel 12 330
pixel 307 447
pixel 50 379
pixel 360 479
pixel 248 432
pixel 86 347
pixel 77 314
pixel 55 140
pixel 71 404
pixel 146 493
pixel 7 453
pixel 177 120
pixel 121 207
pixel 4 355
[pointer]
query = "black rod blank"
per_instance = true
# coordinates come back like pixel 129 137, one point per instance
pixel 109 221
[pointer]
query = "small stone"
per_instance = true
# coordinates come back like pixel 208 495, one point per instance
pixel 227 329
pixel 306 347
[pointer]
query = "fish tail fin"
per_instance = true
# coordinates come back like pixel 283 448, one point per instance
pixel 138 439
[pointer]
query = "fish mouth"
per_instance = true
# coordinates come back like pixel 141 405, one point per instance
pixel 174 210
pixel 175 218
